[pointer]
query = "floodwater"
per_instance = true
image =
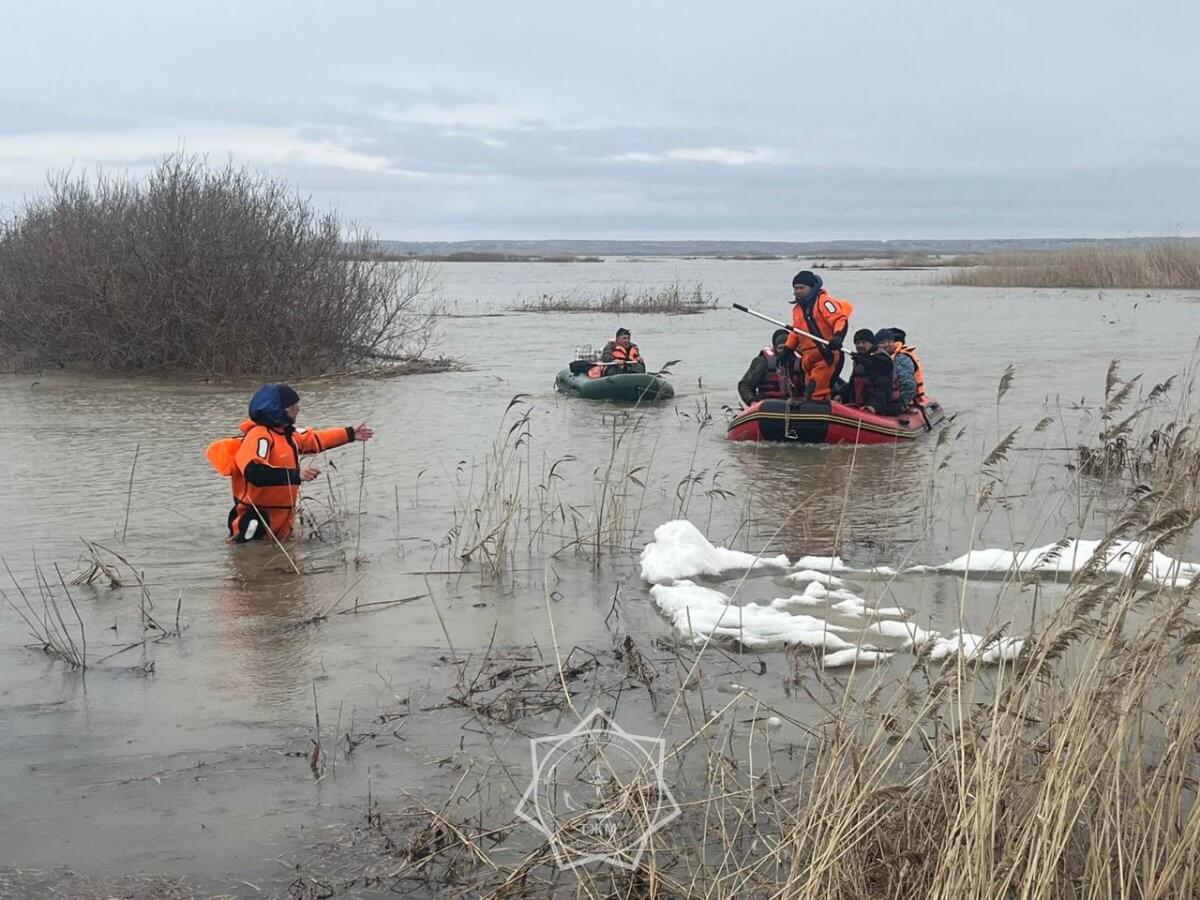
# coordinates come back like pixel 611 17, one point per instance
pixel 187 756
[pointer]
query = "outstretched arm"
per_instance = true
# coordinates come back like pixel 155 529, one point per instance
pixel 321 439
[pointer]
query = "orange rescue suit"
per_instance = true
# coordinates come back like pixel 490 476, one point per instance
pixel 911 353
pixel 265 469
pixel 829 316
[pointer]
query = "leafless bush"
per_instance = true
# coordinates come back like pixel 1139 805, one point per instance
pixel 212 270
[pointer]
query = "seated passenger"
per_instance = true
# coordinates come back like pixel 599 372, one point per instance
pixel 872 381
pixel 768 374
pixel 911 352
pixel 852 391
pixel 620 355
pixel 906 370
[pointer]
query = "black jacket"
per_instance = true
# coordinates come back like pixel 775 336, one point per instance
pixel 873 383
pixel 751 387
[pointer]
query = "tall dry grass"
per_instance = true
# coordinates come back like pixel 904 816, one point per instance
pixel 1165 264
pixel 1069 772
pixel 672 299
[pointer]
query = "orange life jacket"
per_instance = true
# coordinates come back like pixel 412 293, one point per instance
pixel 829 316
pixel 265 470
pixel 620 356
pixel 919 373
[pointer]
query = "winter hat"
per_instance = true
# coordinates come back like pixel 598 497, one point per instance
pixel 864 334
pixel 884 334
pixel 269 404
pixel 779 336
pixel 622 332
pixel 806 278
pixel 288 395
pixel 899 333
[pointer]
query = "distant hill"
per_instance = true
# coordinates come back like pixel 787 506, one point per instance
pixel 467 250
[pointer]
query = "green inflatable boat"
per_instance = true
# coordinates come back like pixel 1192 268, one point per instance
pixel 625 387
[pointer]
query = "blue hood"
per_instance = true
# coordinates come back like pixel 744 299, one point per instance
pixel 267 406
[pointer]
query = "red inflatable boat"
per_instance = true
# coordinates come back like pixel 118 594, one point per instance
pixel 809 422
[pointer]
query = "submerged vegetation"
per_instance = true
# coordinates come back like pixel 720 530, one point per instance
pixel 1069 770
pixel 673 299
pixel 217 271
pixel 1165 265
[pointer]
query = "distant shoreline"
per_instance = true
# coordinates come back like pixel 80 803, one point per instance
pixel 595 250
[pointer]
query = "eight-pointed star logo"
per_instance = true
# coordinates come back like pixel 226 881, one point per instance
pixel 597 793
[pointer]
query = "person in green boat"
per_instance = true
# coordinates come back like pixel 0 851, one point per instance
pixel 619 355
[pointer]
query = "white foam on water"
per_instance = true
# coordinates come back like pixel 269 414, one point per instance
pixel 969 646
pixel 698 612
pixel 841 658
pixel 806 576
pixel 1069 557
pixel 908 632
pixel 680 551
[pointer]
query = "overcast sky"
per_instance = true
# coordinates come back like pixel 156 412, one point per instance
pixel 649 119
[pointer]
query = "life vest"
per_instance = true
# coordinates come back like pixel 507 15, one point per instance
pixel 826 317
pixel 773 385
pixel 264 468
pixel 621 359
pixel 918 372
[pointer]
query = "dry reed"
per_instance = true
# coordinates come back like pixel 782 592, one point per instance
pixel 1069 772
pixel 673 299
pixel 1168 264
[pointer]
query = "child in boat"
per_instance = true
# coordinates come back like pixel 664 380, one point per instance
pixel 905 364
pixel 872 382
pixel 264 463
pixel 903 349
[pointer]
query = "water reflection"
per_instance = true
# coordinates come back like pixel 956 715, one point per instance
pixel 265 639
pixel 866 504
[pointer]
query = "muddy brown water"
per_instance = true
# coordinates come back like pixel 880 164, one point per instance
pixel 187 756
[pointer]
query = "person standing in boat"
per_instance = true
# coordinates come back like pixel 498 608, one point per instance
pixel 619 355
pixel 906 369
pixel 264 462
pixel 767 376
pixel 819 313
pixel 901 348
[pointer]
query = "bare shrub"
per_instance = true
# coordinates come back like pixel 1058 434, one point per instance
pixel 211 270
